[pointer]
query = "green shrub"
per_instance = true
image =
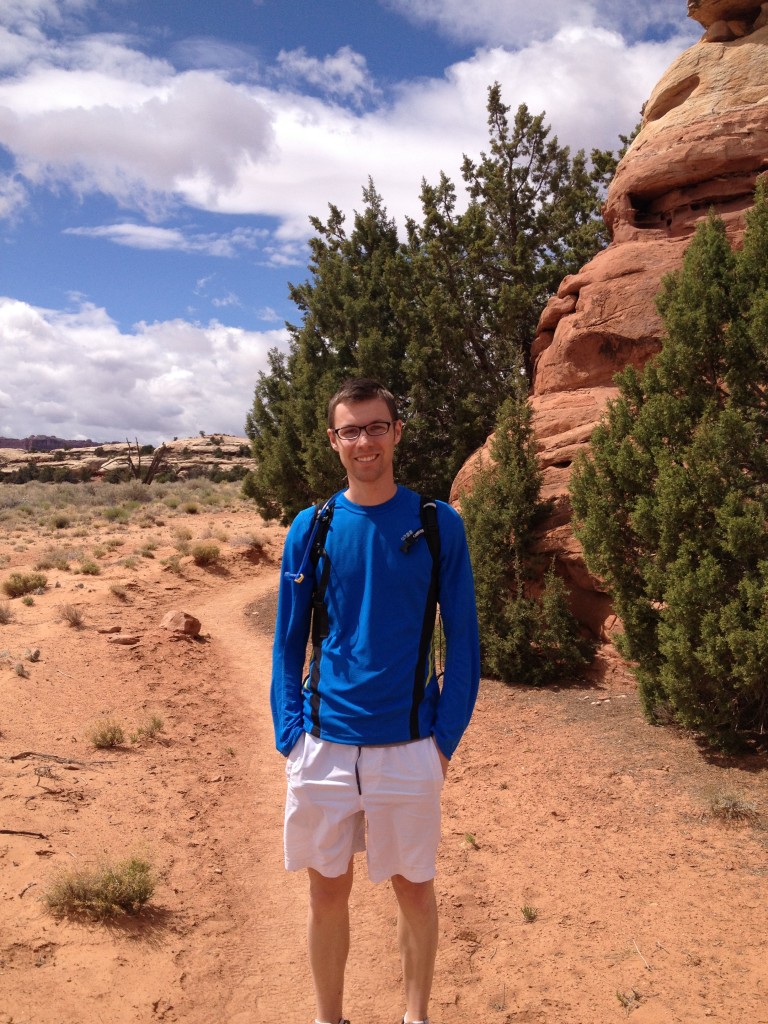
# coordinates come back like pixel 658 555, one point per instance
pixel 205 554
pixel 523 639
pixel 671 507
pixel 116 514
pixel 90 568
pixel 18 584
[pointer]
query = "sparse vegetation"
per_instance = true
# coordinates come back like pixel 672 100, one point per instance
pixel 529 913
pixel 204 554
pixel 90 568
pixel 149 731
pixel 102 892
pixel 72 615
pixel 253 541
pixel 116 514
pixel 54 558
pixel 118 591
pixel 173 564
pixel 629 1000
pixel 731 807
pixel 6 613
pixel 107 734
pixel 18 584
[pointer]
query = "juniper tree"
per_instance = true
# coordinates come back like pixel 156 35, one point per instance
pixel 524 638
pixel 671 505
pixel 348 328
pixel 443 316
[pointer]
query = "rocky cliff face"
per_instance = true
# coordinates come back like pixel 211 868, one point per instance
pixel 703 142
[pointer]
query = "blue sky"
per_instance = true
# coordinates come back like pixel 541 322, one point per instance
pixel 159 162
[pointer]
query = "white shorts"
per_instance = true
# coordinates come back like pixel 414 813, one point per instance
pixel 334 790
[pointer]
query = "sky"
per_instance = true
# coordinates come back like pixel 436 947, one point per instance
pixel 160 161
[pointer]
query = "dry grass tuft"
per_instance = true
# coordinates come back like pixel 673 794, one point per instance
pixel 150 730
pixel 727 806
pixel 106 891
pixel 54 558
pixel 72 615
pixel 107 734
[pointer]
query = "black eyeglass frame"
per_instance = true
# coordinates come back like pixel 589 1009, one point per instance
pixel 359 429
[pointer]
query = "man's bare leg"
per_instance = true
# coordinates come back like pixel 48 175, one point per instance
pixel 417 934
pixel 328 940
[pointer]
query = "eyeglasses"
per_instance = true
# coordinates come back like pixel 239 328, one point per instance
pixel 351 433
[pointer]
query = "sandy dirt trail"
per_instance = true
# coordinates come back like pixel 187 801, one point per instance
pixel 267 939
pixel 562 801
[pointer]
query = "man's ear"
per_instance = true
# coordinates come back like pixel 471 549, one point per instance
pixel 332 439
pixel 398 430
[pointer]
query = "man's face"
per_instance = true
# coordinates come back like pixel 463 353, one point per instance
pixel 368 460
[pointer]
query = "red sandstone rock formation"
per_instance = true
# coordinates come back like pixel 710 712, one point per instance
pixel 703 142
pixel 742 15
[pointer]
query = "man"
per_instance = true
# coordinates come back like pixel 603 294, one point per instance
pixel 369 734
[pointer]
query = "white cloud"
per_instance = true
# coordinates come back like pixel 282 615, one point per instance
pixel 188 136
pixel 589 82
pixel 13 195
pixel 103 118
pixel 230 299
pixel 148 236
pixel 76 374
pixel 516 22
pixel 343 74
pixel 29 14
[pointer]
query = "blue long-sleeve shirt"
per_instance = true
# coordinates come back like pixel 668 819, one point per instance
pixel 363 691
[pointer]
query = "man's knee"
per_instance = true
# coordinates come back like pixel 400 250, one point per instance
pixel 419 895
pixel 327 893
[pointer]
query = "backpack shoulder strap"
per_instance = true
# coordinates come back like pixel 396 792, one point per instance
pixel 425 658
pixel 323 517
pixel 428 513
pixel 321 521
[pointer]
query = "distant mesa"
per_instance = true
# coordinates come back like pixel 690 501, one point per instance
pixel 42 457
pixel 44 443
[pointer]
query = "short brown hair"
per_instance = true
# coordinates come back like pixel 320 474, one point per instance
pixel 361 389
